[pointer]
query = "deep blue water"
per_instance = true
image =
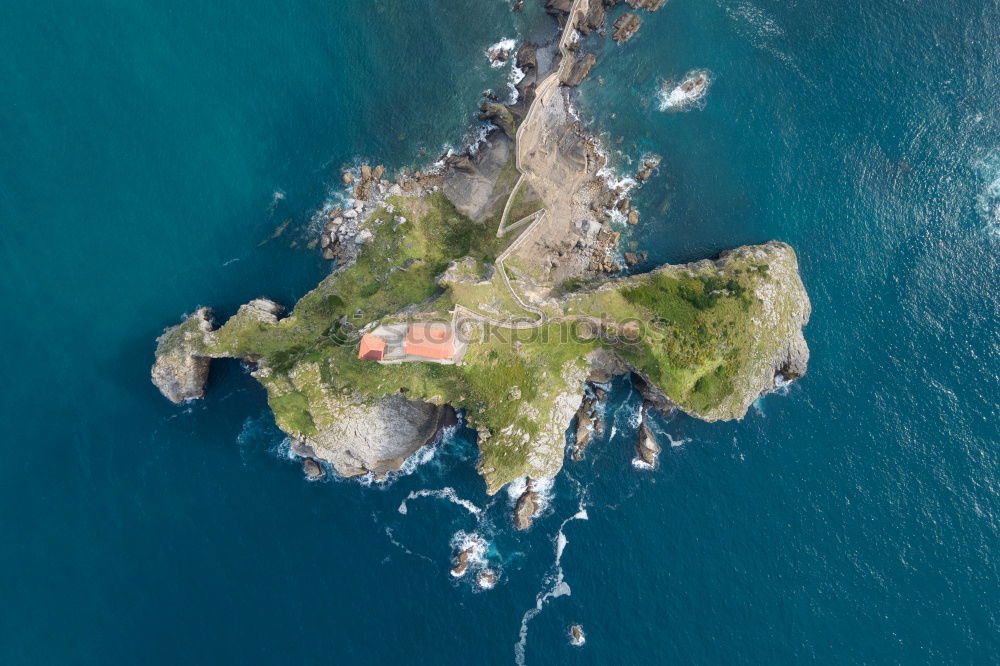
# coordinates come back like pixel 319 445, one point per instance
pixel 853 520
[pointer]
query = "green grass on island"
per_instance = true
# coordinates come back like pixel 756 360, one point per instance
pixel 513 385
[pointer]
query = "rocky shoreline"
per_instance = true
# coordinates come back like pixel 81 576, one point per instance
pixel 540 155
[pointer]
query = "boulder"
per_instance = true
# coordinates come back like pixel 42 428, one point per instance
pixel 633 216
pixel 347 178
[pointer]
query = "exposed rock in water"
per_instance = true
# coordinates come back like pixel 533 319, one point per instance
pixel 526 508
pixel 592 20
pixel 527 61
pixel 648 5
pixel 649 163
pixel 584 426
pixel 631 258
pixel 486 579
pixel 369 179
pixel 180 372
pixel 462 565
pixel 647 448
pixel 578 71
pixel 626 26
pixel 633 216
pixel 312 469
pixel 559 9
pixel 576 635
pixel 347 178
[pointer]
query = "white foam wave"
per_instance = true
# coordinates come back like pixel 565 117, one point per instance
pixel 445 494
pixel 498 54
pixel 516 76
pixel 421 456
pixel 542 486
pixel 554 586
pixel 683 96
pixel 476 548
pixel 674 443
pixel 393 541
pixel 639 463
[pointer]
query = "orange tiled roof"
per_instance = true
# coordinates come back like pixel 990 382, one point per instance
pixel 372 347
pixel 431 340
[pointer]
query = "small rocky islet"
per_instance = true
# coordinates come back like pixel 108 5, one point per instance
pixel 515 245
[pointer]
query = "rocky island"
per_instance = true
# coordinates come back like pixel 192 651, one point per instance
pixel 512 249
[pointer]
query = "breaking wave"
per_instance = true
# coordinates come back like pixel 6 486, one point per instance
pixel 687 94
pixel 445 494
pixel 554 583
pixel 498 54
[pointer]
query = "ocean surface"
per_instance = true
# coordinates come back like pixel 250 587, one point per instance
pixel 148 151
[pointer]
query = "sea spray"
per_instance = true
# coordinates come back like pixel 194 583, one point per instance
pixel 499 54
pixel 687 94
pixel 554 585
pixel 444 493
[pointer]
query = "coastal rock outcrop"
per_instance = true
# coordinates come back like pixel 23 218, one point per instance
pixel 625 27
pixel 593 19
pixel 357 436
pixel 180 371
pixel 470 183
pixel 646 447
pixel 312 469
pixel 500 116
pixel 526 508
pixel 577 72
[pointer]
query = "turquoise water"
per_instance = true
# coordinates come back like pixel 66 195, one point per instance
pixel 852 520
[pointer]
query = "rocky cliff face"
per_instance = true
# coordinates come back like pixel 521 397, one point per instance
pixel 376 437
pixel 180 371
